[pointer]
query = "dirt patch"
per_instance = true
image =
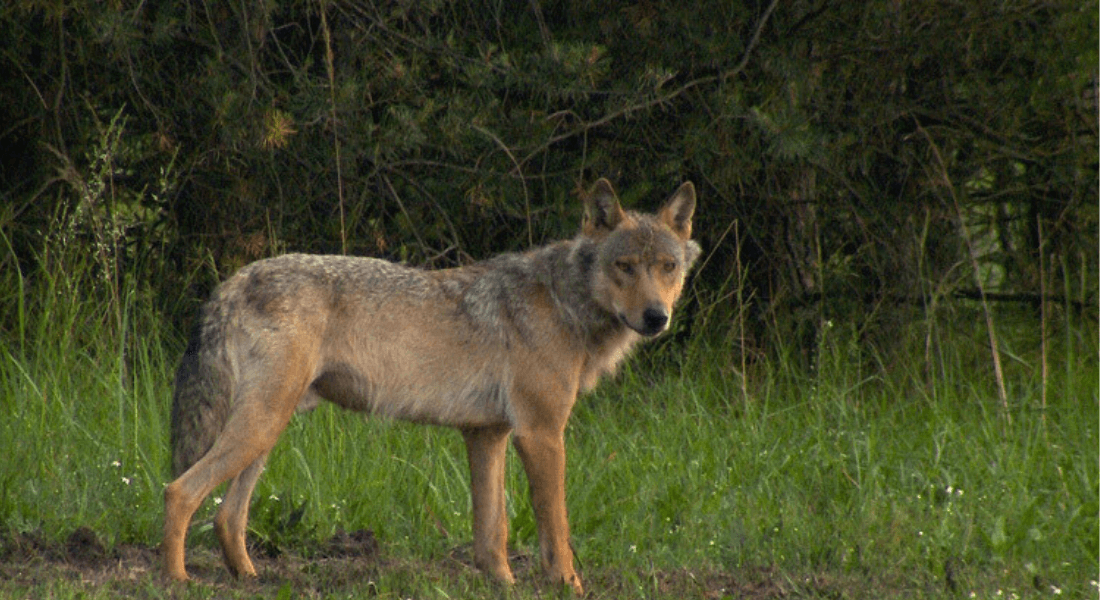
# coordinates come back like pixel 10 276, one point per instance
pixel 81 549
pixel 29 559
pixel 351 564
pixel 84 549
pixel 357 544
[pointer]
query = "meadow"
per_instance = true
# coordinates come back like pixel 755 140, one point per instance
pixel 693 474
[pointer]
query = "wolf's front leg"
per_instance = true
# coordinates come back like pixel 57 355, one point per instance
pixel 486 447
pixel 543 456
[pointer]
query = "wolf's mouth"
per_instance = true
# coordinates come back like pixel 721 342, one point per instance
pixel 653 323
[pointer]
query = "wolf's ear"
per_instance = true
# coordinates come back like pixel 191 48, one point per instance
pixel 677 212
pixel 602 211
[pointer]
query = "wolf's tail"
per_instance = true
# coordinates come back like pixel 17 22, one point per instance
pixel 202 397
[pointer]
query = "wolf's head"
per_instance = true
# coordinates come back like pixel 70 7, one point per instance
pixel 641 259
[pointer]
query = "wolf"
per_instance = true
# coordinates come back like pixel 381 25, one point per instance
pixel 498 349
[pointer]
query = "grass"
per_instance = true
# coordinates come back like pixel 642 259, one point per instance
pixel 865 477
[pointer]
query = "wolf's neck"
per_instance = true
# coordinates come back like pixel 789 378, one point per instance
pixel 566 269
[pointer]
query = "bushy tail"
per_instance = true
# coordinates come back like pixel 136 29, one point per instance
pixel 202 397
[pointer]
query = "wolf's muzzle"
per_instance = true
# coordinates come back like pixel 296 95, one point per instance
pixel 654 321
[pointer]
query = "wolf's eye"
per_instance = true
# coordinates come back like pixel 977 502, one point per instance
pixel 625 267
pixel 669 266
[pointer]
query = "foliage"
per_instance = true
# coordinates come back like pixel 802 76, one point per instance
pixel 853 160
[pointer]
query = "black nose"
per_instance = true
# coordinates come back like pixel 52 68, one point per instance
pixel 654 320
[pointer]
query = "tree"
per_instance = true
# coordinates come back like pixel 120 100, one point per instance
pixel 851 157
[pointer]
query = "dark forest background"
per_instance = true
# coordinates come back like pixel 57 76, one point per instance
pixel 858 163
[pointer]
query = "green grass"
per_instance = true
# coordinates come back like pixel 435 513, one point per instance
pixel 864 478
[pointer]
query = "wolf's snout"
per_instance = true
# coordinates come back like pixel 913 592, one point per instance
pixel 654 321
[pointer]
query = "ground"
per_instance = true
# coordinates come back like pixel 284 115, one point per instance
pixel 347 565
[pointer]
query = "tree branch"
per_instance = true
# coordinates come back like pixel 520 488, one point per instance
pixel 752 42
pixel 604 120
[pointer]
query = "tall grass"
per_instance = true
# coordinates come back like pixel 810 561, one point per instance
pixel 887 477
pixel 84 408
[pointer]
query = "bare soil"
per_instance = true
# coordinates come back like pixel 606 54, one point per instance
pixel 349 564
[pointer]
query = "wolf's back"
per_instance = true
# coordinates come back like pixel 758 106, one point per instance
pixel 202 395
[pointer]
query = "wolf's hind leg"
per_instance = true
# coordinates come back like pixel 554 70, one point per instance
pixel 182 497
pixel 259 416
pixel 486 449
pixel 232 518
